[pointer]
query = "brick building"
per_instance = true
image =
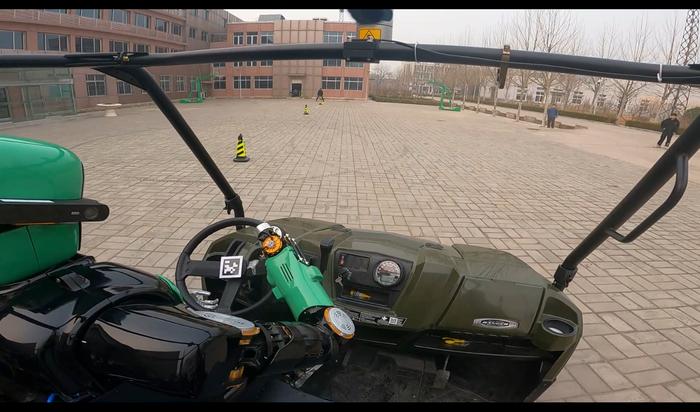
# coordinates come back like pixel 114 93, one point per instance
pixel 289 78
pixel 37 93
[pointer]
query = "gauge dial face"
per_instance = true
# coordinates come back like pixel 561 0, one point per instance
pixel 387 273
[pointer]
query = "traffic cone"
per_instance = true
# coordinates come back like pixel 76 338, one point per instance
pixel 306 109
pixel 241 155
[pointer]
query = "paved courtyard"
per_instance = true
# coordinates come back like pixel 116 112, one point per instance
pixel 450 177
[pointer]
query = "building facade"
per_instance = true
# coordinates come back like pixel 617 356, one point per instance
pixel 289 78
pixel 37 93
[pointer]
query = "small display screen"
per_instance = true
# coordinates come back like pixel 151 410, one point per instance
pixel 354 262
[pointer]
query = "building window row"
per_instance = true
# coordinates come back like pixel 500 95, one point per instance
pixel 97 85
pixel 251 38
pixel 123 16
pixel 244 82
pixel 338 63
pixel 59 42
pixel 337 36
pixel 349 83
pixel 252 63
pixel 12 39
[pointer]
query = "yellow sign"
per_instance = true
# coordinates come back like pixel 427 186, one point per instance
pixel 370 34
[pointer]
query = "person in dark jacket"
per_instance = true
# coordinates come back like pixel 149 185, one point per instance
pixel 552 114
pixel 319 94
pixel 668 128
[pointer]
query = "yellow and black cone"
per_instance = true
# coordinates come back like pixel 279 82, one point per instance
pixel 306 109
pixel 241 154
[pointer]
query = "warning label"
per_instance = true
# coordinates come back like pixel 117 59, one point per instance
pixel 369 34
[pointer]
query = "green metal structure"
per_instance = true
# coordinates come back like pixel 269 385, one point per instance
pixel 445 93
pixel 196 95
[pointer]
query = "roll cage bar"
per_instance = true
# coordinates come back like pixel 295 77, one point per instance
pixel 130 67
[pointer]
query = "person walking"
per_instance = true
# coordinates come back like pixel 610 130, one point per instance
pixel 319 93
pixel 668 128
pixel 552 114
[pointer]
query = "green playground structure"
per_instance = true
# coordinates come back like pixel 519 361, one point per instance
pixel 446 93
pixel 196 94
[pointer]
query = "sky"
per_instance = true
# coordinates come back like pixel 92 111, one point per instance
pixel 466 26
pixel 435 26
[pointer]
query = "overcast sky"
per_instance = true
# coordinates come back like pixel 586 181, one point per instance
pixel 443 26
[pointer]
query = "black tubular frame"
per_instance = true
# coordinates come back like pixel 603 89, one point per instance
pixel 129 67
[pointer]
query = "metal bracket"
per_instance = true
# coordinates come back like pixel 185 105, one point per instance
pixel 360 51
pixel 503 70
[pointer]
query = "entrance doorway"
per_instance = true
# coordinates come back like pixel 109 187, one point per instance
pixel 296 89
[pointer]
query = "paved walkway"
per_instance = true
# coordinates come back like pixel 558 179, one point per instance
pixel 450 177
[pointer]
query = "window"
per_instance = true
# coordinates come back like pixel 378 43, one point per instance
pixel 11 40
pixel 161 49
pixel 193 33
pixel 193 12
pixel 91 13
pixel 266 37
pixel 263 82
pixel 206 14
pixel 332 36
pixel 63 11
pixel 241 82
pixel 331 62
pixel 217 65
pixel 577 97
pixel 119 16
pixel 237 38
pixel 96 85
pixel 87 45
pixel 118 46
pixel 251 63
pixel 237 64
pixel 354 64
pixel 220 82
pixel 142 48
pixel 331 83
pixel 142 20
pixel 179 83
pixel 644 106
pixel 162 25
pixel 251 37
pixel 601 100
pixel 353 83
pixel 539 95
pixel 52 42
pixel 265 63
pixel 557 96
pixel 521 95
pixel 177 29
pixel 165 83
pixel 205 35
pixel 123 87
pixel 350 35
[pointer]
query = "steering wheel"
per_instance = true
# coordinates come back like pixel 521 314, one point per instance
pixel 187 267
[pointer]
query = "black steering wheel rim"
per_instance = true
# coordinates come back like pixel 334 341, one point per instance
pixel 184 264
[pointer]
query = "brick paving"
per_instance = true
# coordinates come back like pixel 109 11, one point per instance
pixel 450 177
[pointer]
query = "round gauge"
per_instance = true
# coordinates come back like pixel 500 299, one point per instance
pixel 387 273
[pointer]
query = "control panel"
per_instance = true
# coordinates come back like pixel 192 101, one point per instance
pixel 369 278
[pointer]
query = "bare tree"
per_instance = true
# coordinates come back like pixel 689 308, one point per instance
pixel 381 72
pixel 668 42
pixel 525 36
pixel 405 78
pixel 605 47
pixel 495 38
pixel 635 48
pixel 556 30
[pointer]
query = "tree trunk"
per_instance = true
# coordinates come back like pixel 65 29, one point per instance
pixel 478 100
pixel 544 111
pixel 595 101
pixel 520 105
pixel 464 95
pixel 495 100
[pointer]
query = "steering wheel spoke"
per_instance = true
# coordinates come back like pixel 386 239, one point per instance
pixel 229 295
pixel 203 268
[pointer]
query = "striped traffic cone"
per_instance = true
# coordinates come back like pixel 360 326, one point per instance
pixel 241 155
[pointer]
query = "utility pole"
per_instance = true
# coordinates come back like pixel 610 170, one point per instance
pixel 686 55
